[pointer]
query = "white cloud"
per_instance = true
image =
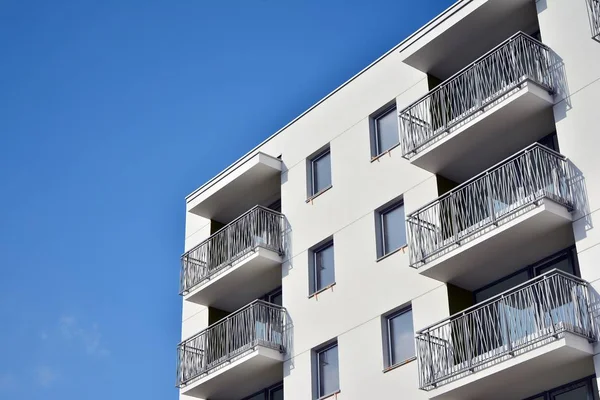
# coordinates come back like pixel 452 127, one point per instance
pixel 45 375
pixel 89 338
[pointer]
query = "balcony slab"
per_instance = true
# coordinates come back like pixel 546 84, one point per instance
pixel 229 194
pixel 439 49
pixel 245 279
pixel 240 377
pixel 525 374
pixel 515 120
pixel 519 239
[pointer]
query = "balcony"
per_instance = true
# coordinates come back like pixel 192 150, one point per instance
pixel 594 13
pixel 496 105
pixel 512 345
pixel 439 48
pixel 511 215
pixel 238 355
pixel 255 179
pixel 236 264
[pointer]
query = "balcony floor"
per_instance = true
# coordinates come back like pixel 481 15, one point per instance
pixel 240 377
pixel 520 239
pixel 516 120
pixel 229 289
pixel 553 364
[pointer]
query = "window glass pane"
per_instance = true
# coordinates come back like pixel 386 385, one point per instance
pixel 276 298
pixel 258 396
pixel 324 269
pixel 563 263
pixel 328 371
pixel 501 286
pixel 402 342
pixel 579 393
pixel 276 394
pixel 321 172
pixel 394 229
pixel 386 128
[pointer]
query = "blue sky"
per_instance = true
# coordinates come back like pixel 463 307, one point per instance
pixel 111 112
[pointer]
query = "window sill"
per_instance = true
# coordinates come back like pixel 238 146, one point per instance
pixel 402 249
pixel 315 294
pixel 328 396
pixel 314 196
pixel 408 361
pixel 387 152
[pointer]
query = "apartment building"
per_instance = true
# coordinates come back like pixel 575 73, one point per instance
pixel 429 230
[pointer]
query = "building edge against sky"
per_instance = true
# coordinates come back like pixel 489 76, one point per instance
pixel 427 229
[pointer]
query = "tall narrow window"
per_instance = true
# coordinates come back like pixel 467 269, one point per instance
pixel 400 337
pixel 392 229
pixel 323 267
pixel 328 380
pixel 385 131
pixel 320 172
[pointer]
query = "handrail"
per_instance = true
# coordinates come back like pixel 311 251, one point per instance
pixel 489 170
pixel 257 324
pixel 508 324
pixel 258 227
pixel 594 14
pixel 508 187
pixel 494 298
pixel 482 82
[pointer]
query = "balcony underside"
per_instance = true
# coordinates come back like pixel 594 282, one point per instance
pixel 247 278
pixel 496 251
pixel 440 47
pixel 239 377
pixel 517 119
pixel 255 181
pixel 525 374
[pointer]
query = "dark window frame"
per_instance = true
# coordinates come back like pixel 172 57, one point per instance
pixel 313 160
pixel 382 227
pixel 550 394
pixel 568 252
pixel 376 150
pixel 389 356
pixel 315 286
pixel 317 353
pixel 268 391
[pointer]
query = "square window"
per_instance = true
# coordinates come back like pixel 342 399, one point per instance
pixel 391 233
pixel 327 373
pixel 400 338
pixel 384 131
pixel 320 172
pixel 323 273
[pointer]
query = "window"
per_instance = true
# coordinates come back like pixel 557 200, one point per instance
pixel 323 274
pixel 274 392
pixel 391 229
pixel 320 172
pixel 400 337
pixel 384 131
pixel 328 379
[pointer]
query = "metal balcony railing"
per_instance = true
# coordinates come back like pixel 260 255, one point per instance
pixel 257 324
pixel 259 227
pixel 509 324
pixel 512 186
pixel 517 60
pixel 594 13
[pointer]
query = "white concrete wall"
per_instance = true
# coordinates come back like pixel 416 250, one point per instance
pixel 366 289
pixel 565 28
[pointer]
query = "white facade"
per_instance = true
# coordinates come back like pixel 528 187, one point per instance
pixel 368 287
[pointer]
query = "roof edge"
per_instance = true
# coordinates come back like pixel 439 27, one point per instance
pixel 436 20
